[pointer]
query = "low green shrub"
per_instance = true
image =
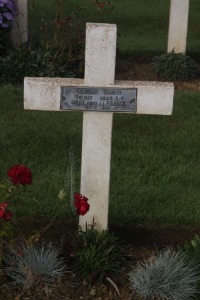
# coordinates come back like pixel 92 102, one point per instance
pixel 27 61
pixel 55 50
pixel 175 66
pixel 34 266
pixel 168 277
pixel 5 42
pixel 97 255
pixel 192 250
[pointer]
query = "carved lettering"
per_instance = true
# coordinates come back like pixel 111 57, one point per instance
pixel 99 99
pixel 81 97
pixel 87 91
pixel 112 92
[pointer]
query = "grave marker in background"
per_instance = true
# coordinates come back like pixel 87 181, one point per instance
pixel 99 95
pixel 19 32
pixel 178 25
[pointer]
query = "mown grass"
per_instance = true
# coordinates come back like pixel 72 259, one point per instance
pixel 155 170
pixel 159 167
pixel 142 24
pixel 40 140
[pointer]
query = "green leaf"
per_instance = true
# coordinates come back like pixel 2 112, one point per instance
pixel 3 186
pixel 61 194
pixel 3 233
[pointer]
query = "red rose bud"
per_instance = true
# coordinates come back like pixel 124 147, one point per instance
pixel 1 213
pixel 80 202
pixel 19 253
pixel 101 5
pixel 7 215
pixel 20 174
pixel 3 207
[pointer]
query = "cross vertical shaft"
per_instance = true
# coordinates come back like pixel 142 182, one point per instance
pixel 178 25
pixel 92 92
pixel 97 126
pixel 19 32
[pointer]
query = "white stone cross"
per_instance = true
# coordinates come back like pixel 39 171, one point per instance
pixel 19 32
pixel 178 25
pixel 45 94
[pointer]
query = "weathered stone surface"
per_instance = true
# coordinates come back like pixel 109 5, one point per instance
pixel 178 25
pixel 45 94
pixel 19 32
pixel 152 97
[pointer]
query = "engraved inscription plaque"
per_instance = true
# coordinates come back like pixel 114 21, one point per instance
pixel 99 99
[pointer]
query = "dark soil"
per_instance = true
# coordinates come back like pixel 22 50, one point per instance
pixel 141 242
pixel 142 70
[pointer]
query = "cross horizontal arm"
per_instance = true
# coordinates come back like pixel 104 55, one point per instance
pixel 45 93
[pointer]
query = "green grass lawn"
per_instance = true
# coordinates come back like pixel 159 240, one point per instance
pixel 142 24
pixel 155 170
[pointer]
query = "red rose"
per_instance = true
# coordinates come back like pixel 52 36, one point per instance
pixel 80 202
pixel 101 5
pixel 20 174
pixel 7 215
pixel 3 207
